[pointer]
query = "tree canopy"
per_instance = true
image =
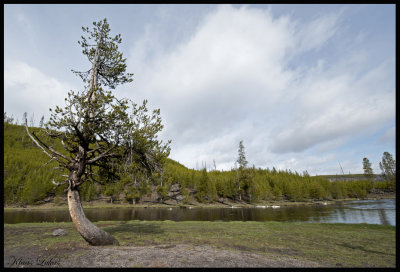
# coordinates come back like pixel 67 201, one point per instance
pixel 388 166
pixel 368 172
pixel 95 128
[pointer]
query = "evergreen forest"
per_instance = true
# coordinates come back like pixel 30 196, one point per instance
pixel 28 179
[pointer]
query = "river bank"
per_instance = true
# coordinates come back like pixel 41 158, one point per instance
pixel 225 203
pixel 203 244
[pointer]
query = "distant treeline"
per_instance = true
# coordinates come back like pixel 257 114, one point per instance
pixel 28 176
pixel 377 177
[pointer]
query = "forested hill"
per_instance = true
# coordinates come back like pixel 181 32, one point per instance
pixel 28 176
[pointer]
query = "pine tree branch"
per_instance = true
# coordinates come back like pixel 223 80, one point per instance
pixel 60 183
pixel 103 155
pixel 52 150
pixel 43 148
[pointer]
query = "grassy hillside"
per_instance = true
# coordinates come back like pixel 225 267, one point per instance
pixel 27 180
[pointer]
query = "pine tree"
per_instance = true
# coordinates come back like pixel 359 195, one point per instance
pixel 96 129
pixel 242 157
pixel 388 167
pixel 242 173
pixel 203 186
pixel 368 172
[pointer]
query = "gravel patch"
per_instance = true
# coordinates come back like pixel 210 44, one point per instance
pixel 180 255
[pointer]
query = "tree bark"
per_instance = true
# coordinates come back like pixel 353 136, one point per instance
pixel 91 233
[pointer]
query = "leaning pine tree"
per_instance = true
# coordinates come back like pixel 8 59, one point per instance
pixel 97 130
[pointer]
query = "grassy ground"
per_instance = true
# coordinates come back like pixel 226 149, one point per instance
pixel 330 245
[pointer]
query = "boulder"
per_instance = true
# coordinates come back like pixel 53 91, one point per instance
pixel 171 202
pixel 175 187
pixel 59 232
pixel 173 194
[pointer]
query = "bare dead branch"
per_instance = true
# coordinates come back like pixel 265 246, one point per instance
pixel 94 150
pixel 60 183
pixel 46 163
pixel 65 147
pixel 69 185
pixel 37 140
pixel 79 183
pixel 103 155
pixel 54 135
pixel 52 150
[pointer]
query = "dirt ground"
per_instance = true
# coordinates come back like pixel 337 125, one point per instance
pixel 179 255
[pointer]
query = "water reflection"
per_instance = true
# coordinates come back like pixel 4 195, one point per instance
pixel 363 211
pixel 342 214
pixel 362 215
pixel 382 217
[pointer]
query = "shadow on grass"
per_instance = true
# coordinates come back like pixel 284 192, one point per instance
pixel 364 249
pixel 135 228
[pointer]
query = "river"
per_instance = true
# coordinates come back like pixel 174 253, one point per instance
pixel 381 211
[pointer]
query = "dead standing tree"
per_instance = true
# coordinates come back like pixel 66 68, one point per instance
pixel 96 130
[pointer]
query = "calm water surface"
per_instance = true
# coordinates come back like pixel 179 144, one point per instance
pixel 362 211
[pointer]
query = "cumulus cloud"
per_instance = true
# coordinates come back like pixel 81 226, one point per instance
pixel 338 106
pixel 238 78
pixel 229 68
pixel 302 90
pixel 313 164
pixel 27 89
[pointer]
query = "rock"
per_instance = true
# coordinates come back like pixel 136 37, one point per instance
pixel 180 198
pixel 170 202
pixel 173 194
pixel 175 187
pixel 59 232
pixel 174 191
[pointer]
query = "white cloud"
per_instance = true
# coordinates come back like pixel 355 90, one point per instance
pixel 27 89
pixel 329 108
pixel 330 145
pixel 299 92
pixel 238 78
pixel 316 33
pixel 222 75
pixel 313 164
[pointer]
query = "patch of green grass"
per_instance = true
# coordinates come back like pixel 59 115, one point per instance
pixel 346 245
pixel 39 235
pixel 353 245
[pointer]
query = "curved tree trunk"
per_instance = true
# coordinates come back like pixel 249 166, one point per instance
pixel 91 233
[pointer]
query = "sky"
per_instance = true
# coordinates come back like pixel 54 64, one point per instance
pixel 305 87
